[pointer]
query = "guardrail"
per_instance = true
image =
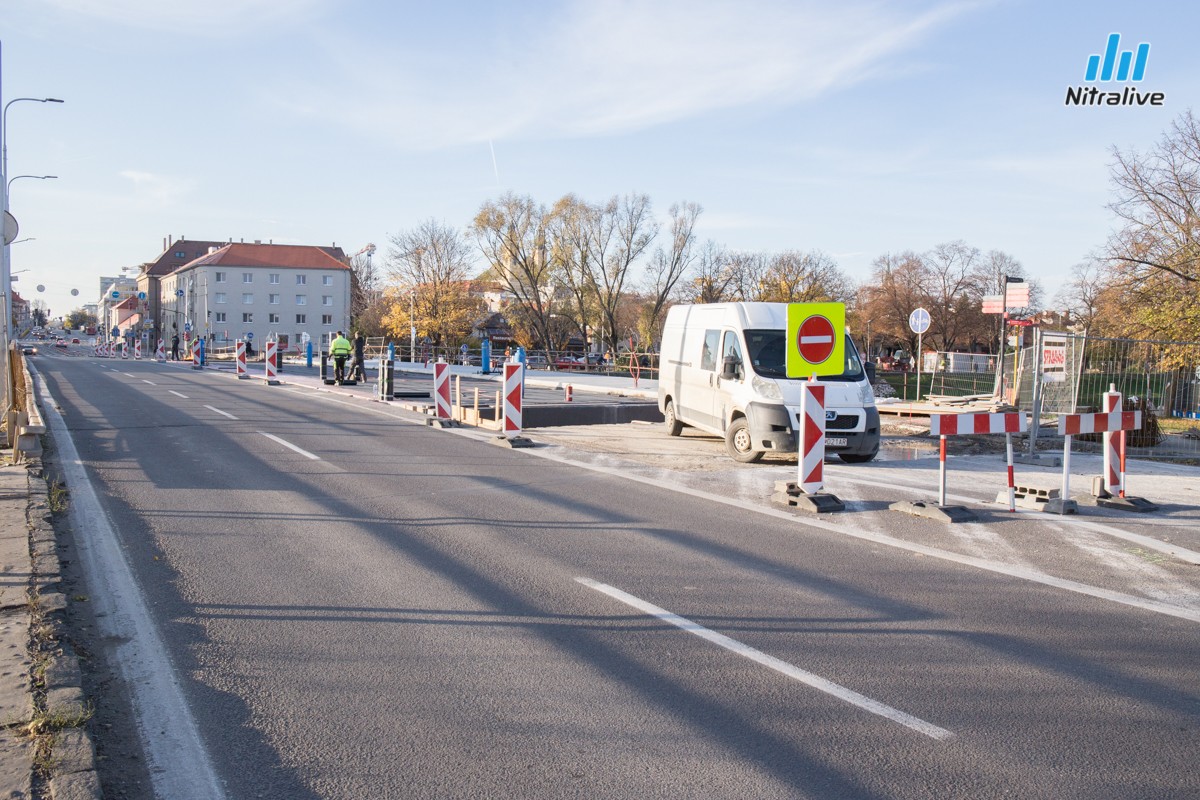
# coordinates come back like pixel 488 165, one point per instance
pixel 26 418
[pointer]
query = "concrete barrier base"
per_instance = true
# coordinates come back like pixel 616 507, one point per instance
pixel 789 493
pixel 514 443
pixel 950 514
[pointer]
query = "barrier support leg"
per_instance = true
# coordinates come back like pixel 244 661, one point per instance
pixel 1012 496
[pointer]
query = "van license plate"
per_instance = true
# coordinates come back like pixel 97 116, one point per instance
pixel 836 441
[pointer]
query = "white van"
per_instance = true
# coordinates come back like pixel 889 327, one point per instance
pixel 722 371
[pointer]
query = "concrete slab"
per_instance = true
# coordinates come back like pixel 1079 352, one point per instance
pixel 950 514
pixel 16 700
pixel 16 766
pixel 789 493
pixel 514 443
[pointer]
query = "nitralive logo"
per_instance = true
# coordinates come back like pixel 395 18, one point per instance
pixel 1115 66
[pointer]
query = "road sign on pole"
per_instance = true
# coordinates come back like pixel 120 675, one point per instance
pixel 919 321
pixel 816 342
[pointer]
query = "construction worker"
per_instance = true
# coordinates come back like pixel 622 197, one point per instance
pixel 340 349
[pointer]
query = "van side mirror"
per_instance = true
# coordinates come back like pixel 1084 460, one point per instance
pixel 871 371
pixel 731 368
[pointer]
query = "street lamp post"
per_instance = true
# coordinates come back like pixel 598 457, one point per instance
pixel 5 276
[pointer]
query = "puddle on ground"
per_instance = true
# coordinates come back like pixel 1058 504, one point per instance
pixel 905 453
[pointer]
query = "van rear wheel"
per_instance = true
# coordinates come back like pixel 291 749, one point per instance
pixel 674 426
pixel 738 443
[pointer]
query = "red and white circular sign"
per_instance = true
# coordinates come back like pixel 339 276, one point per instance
pixel 815 339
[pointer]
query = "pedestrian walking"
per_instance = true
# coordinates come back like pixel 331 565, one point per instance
pixel 175 347
pixel 340 349
pixel 359 372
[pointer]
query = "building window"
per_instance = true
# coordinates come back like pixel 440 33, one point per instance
pixel 273 319
pixel 220 277
pixel 327 300
pixel 301 280
pixel 220 316
pixel 327 319
pixel 247 277
pixel 247 299
pixel 219 297
pixel 301 299
pixel 301 319
pixel 248 316
pixel 273 277
pixel 273 299
pixel 180 254
pixel 327 280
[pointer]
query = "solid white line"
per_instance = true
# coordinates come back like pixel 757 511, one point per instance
pixel 290 446
pixel 177 394
pixel 179 766
pixel 129 374
pixel 222 413
pixel 152 383
pixel 790 670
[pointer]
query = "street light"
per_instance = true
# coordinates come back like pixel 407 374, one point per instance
pixel 5 282
pixel 37 177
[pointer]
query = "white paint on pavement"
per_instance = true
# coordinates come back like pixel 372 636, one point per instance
pixel 152 383
pixel 178 394
pixel 290 446
pixel 179 765
pixel 222 413
pixel 771 662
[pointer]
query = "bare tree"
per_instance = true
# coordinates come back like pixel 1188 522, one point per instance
pixel 433 261
pixel 619 232
pixel 668 266
pixel 797 277
pixel 715 277
pixel 511 234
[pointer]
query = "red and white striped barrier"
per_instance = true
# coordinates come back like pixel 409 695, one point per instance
pixel 943 425
pixel 96 350
pixel 441 389
pixel 272 356
pixel 240 359
pixel 137 349
pixel 514 384
pixel 812 438
pixel 112 348
pixel 124 349
pixel 160 352
pixel 1112 423
pixel 196 354
pixel 570 394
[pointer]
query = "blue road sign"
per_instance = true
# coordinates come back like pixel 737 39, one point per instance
pixel 919 320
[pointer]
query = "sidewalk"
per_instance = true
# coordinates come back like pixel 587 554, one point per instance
pixel 56 706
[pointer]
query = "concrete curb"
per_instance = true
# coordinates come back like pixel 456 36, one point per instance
pixel 73 757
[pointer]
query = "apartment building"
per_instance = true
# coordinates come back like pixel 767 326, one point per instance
pixel 290 293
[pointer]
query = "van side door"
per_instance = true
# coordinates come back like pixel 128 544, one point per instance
pixel 730 377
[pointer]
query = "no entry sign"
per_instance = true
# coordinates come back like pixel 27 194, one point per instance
pixel 816 339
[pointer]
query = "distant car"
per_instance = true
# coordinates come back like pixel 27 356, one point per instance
pixel 75 340
pixel 61 343
pixel 569 362
pixel 29 350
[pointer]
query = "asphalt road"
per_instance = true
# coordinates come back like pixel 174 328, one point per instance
pixel 356 606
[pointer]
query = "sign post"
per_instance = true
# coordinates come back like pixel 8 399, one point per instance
pixel 816 346
pixel 918 322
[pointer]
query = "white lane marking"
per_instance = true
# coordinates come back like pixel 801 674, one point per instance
pixel 177 394
pixel 290 446
pixel 179 766
pixel 1149 542
pixel 222 413
pixel 771 662
pixel 1021 573
pixel 130 374
pixel 152 383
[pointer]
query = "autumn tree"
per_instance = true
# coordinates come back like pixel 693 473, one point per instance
pixel 432 264
pixel 511 234
pixel 714 277
pixel 1155 256
pixel 669 264
pixel 618 232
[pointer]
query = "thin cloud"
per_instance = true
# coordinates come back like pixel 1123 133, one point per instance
pixel 604 68
pixel 159 189
pixel 207 17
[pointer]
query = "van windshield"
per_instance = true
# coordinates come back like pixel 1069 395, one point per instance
pixel 768 352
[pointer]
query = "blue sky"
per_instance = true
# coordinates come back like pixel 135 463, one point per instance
pixel 855 128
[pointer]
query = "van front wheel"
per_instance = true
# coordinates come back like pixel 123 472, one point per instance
pixel 738 443
pixel 674 426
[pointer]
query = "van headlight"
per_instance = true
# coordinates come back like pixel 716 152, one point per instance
pixel 768 390
pixel 867 394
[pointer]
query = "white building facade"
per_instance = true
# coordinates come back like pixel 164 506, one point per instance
pixel 256 292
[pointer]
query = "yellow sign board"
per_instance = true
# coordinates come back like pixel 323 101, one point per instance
pixel 816 339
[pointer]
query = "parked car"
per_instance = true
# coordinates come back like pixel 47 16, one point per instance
pixel 570 362
pixel 75 340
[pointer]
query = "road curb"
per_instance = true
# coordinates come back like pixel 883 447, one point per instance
pixel 72 772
